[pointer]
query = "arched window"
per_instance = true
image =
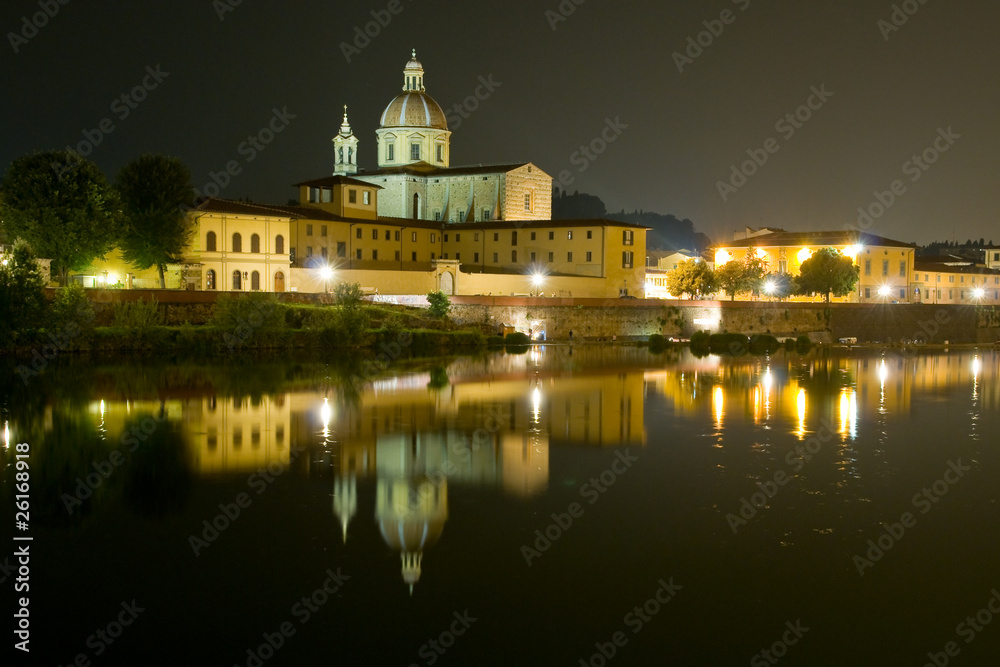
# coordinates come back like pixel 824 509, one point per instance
pixel 255 281
pixel 210 242
pixel 237 281
pixel 255 244
pixel 279 244
pixel 237 242
pixel 210 279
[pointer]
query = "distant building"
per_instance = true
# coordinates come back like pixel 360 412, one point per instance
pixel 951 279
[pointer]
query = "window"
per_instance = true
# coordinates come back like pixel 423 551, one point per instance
pixel 309 230
pixel 446 237
pixel 397 255
pixel 433 238
pixel 210 280
pixel 388 235
pixel 569 235
pixel 396 236
pixel 532 260
pixel 902 292
pixel 341 249
pixel 937 278
pixel 390 152
pixel 552 257
pixel 951 279
pixel 279 244
pixel 552 236
pixel 868 267
pixel 513 238
pixel 444 256
pixel 627 259
pixel 458 237
pixel 885 267
pixel 237 436
pixel 590 234
pixel 374 235
pixel 413 236
pixel 413 256
pixel 513 256
pixel 255 435
pixel 475 257
pixel 255 281
pixel 237 242
pixel 628 237
pixel 475 237
pixel 590 256
pixel 486 214
pixel 210 242
pixel 782 266
pixel 368 198
pixel 996 257
pixel 440 153
pixel 324 253
pixel 414 151
pixel 357 233
pixel 458 256
pixel 951 294
pixel 375 255
pixel 309 251
pixel 496 258
pixel 532 236
pixel 237 280
pixel 868 292
pixel 359 253
pixel 432 257
pixel 496 236
pixel 352 196
pixel 902 269
pixel 569 257
pixel 437 216
pixel 255 243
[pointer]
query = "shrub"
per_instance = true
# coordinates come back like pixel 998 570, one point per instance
pixel 137 316
pixel 727 343
pixel 803 344
pixel 700 341
pixel 440 304
pixel 517 338
pixel 71 313
pixel 256 319
pixel 764 344
pixel 494 341
pixel 348 295
pixel 657 343
pixel 22 296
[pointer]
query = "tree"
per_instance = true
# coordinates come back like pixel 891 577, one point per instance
pixel 741 276
pixel 22 296
pixel 828 270
pixel 62 205
pixel 155 191
pixel 348 295
pixel 439 304
pixel 779 285
pixel 691 277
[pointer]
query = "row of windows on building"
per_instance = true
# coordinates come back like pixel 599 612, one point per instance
pixel 211 243
pixel 628 236
pixel 325 196
pixel 213 436
pixel 628 257
pixel 241 278
pixel 951 279
pixel 885 268
pixel 415 151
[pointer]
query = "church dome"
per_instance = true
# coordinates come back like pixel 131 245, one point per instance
pixel 414 107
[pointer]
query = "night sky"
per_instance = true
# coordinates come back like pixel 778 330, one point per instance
pixel 894 93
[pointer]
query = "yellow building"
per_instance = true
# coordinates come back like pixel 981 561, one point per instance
pixel 885 266
pixel 951 280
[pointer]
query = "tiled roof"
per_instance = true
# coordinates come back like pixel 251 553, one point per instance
pixel 825 238
pixel 429 171
pixel 938 267
pixel 330 181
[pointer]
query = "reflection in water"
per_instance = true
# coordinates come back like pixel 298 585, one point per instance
pixel 491 423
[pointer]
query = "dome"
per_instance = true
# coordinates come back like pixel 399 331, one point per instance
pixel 414 109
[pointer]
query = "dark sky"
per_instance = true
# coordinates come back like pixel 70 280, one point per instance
pixel 558 88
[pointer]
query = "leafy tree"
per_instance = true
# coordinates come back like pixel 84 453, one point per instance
pixel 348 295
pixel 691 277
pixel 155 192
pixel 22 296
pixel 741 276
pixel 62 205
pixel 828 270
pixel 440 304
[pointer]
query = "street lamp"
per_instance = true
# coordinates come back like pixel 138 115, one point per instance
pixel 327 274
pixel 978 293
pixel 884 291
pixel 537 280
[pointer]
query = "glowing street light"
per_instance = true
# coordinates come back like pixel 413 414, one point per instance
pixel 770 286
pixel 537 279
pixel 978 293
pixel 884 291
pixel 326 273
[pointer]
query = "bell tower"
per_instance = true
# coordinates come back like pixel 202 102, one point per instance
pixel 345 148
